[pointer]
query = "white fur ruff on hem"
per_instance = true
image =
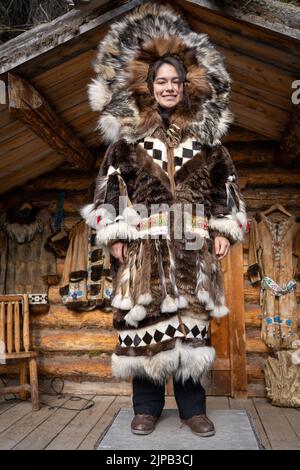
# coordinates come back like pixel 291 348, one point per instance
pixel 183 361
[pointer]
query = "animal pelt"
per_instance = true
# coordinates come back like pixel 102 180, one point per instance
pixel 120 91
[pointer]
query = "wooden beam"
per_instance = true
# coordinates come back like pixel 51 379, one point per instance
pixel 289 149
pixel 27 104
pixel 3 95
pixel 43 38
pixel 272 15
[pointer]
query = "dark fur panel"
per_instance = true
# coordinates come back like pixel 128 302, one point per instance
pixel 221 168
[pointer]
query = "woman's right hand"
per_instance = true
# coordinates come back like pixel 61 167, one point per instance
pixel 119 250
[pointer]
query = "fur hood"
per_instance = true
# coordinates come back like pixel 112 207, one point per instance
pixel 120 92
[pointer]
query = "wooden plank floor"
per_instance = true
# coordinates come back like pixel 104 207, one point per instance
pixel 70 423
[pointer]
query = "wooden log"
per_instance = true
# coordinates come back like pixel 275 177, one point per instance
pixel 97 367
pixel 256 345
pixel 17 326
pixel 257 389
pixel 259 199
pixel 72 340
pixel 239 134
pixel 252 153
pixel 54 296
pixel 14 389
pixel 2 327
pixel 72 201
pixel 26 339
pixel 254 372
pixel 251 294
pixel 253 315
pixel 27 104
pixel 289 150
pixel 60 316
pixel 267 177
pixel 9 327
pixel 63 180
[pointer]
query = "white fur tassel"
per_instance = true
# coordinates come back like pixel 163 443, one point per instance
pixel 145 299
pixel 168 305
pixel 135 315
pixel 181 301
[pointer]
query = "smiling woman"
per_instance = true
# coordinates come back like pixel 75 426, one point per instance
pixel 163 103
pixel 166 78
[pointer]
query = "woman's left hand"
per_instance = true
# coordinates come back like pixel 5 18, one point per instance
pixel 221 247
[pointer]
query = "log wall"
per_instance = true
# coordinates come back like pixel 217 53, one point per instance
pixel 77 346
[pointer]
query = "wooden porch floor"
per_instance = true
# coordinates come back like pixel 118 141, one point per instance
pixel 60 424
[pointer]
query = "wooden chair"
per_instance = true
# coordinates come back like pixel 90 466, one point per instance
pixel 15 344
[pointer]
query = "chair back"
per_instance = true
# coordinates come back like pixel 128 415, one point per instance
pixel 14 323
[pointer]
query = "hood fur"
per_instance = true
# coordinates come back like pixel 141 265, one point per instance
pixel 120 92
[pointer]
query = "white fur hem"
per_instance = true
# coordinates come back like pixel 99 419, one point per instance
pixel 183 362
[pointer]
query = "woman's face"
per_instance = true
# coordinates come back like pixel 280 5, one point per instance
pixel 167 88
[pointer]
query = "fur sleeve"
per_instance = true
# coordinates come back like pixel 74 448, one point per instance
pixel 228 213
pixel 111 213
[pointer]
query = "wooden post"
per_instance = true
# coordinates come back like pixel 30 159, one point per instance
pixel 2 323
pixel 9 325
pixel 234 287
pixel 33 376
pixel 17 326
pixel 26 339
pixel 23 379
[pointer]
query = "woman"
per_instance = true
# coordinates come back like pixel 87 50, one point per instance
pixel 167 205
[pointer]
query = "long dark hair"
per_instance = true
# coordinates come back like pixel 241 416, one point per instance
pixel 180 69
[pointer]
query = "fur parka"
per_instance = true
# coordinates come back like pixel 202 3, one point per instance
pixel 169 286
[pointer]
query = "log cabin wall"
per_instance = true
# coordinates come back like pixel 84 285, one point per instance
pixel 77 346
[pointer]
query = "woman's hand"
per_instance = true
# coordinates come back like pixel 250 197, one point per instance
pixel 119 250
pixel 221 247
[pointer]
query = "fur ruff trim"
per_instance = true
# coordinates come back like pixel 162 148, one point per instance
pixel 122 227
pixel 23 233
pixel 120 93
pixel 227 226
pixel 183 362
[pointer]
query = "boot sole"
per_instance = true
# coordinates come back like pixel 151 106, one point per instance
pixel 141 433
pixel 204 434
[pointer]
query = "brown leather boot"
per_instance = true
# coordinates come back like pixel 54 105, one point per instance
pixel 201 425
pixel 143 424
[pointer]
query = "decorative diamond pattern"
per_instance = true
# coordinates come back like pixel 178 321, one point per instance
pixel 158 336
pixel 158 151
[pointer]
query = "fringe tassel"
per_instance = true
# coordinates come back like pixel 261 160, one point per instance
pixel 180 300
pixel 168 304
pixel 202 285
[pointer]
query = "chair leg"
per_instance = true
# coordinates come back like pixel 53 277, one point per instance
pixel 23 378
pixel 34 384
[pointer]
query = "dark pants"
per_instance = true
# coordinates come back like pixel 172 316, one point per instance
pixel 149 398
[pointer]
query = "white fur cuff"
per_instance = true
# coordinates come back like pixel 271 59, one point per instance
pixel 228 226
